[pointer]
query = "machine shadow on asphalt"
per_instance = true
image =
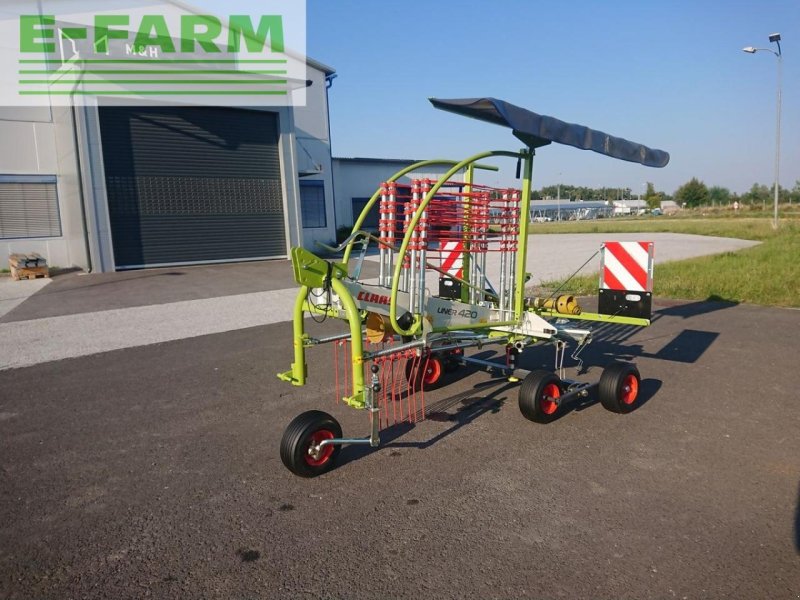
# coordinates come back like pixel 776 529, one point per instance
pixel 688 310
pixel 611 341
pixel 647 390
pixel 470 404
pixel 614 341
pixel 687 347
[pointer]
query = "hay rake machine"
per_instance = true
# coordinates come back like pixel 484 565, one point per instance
pixel 451 276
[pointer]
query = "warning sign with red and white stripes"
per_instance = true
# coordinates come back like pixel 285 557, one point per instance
pixel 453 258
pixel 627 266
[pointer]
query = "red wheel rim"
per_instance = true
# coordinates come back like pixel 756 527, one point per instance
pixel 630 389
pixel 326 451
pixel 433 371
pixel 551 390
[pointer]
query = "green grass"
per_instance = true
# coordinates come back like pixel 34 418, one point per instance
pixel 746 228
pixel 766 274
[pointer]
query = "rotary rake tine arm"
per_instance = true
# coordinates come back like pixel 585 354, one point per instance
pixel 428 265
pixel 371 202
pixel 412 227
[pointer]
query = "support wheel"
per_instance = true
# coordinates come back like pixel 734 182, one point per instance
pixel 305 432
pixel 538 396
pixel 426 373
pixel 619 387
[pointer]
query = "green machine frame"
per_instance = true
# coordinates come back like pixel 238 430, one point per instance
pixel 527 322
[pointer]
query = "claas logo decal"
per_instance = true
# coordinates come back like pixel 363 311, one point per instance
pixel 373 298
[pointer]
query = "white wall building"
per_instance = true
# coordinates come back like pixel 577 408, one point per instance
pixel 106 187
pixel 357 179
pixel 630 207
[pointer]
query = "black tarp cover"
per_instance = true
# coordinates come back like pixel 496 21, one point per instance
pixel 539 130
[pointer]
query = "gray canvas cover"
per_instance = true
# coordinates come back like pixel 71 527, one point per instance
pixel 539 130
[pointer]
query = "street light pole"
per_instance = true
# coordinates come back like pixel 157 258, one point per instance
pixel 778 131
pixel 775 38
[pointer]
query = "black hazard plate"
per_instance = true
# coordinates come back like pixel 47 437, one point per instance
pixel 625 304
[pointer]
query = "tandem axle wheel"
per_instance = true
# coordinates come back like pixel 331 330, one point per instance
pixel 543 394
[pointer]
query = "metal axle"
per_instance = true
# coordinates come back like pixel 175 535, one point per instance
pixel 580 390
pixel 490 365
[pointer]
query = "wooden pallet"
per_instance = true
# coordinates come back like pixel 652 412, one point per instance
pixel 28 266
pixel 18 273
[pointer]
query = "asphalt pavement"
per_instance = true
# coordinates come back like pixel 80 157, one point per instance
pixel 140 419
pixel 153 472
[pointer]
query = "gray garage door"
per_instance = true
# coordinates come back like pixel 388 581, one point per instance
pixel 192 184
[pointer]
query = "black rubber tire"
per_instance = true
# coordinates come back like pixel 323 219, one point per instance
pixel 435 362
pixel 297 439
pixel 614 389
pixel 532 404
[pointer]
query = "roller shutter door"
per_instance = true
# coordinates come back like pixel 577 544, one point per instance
pixel 192 184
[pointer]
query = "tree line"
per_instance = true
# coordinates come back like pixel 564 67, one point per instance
pixel 579 192
pixel 693 193
pixel 696 193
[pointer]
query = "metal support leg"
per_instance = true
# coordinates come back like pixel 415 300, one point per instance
pixel 357 348
pixel 297 374
pixel 374 439
pixel 561 347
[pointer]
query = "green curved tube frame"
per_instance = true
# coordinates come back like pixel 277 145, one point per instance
pixel 357 346
pixel 297 374
pixel 417 215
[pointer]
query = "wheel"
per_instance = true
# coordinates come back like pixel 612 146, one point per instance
pixel 619 387
pixel 304 432
pixel 427 372
pixel 538 396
